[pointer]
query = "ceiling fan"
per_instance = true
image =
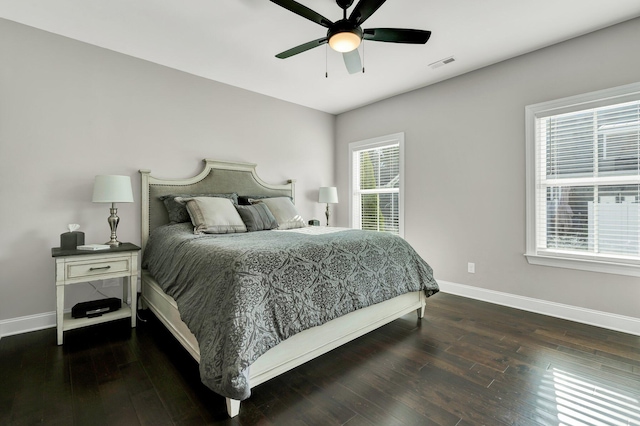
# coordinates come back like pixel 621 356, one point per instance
pixel 346 34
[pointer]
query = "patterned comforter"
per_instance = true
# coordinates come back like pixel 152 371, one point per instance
pixel 242 294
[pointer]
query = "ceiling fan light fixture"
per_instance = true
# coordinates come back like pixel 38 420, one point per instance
pixel 345 41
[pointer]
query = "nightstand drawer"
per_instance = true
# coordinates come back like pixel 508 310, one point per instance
pixel 94 269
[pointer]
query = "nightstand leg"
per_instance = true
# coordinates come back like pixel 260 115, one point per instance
pixel 59 311
pixel 133 294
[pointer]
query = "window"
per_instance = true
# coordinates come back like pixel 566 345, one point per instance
pixel 583 182
pixel 376 170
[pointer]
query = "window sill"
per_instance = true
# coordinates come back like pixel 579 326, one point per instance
pixel 585 265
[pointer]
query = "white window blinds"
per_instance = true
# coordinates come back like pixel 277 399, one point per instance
pixel 587 183
pixel 376 187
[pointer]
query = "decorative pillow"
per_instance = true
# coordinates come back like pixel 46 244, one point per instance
pixel 284 211
pixel 257 217
pixel 245 200
pixel 178 212
pixel 213 215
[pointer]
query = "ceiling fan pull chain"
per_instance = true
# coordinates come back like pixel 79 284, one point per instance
pixel 362 56
pixel 326 71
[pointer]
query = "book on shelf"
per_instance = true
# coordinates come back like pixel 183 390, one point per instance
pixel 91 247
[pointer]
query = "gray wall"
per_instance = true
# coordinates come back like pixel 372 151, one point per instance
pixel 70 111
pixel 465 166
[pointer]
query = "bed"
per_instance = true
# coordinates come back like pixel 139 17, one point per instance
pixel 268 337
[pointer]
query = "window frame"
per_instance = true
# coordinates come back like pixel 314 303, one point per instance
pixel 601 98
pixel 378 142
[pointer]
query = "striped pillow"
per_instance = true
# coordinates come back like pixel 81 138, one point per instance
pixel 257 217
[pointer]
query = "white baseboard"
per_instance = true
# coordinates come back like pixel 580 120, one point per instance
pixel 607 320
pixel 20 325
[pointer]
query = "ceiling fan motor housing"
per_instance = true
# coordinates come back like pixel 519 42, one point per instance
pixel 344 26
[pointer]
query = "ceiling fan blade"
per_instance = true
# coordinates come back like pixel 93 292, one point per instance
pixel 352 61
pixel 304 11
pixel 302 48
pixel 363 10
pixel 397 35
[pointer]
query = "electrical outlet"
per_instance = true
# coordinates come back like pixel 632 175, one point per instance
pixel 471 268
pixel 111 282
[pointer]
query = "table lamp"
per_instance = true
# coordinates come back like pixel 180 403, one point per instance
pixel 112 189
pixel 329 195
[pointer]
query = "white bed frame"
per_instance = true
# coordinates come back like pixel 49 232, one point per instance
pixel 224 177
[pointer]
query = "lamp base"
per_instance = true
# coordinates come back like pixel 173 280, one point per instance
pixel 326 213
pixel 113 224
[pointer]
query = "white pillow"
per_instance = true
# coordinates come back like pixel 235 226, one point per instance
pixel 284 211
pixel 211 215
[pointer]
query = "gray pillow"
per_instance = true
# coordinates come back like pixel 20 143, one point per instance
pixel 178 212
pixel 284 211
pixel 257 217
pixel 213 215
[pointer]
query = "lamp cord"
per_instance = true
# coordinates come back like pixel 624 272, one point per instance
pixel 106 297
pixel 98 291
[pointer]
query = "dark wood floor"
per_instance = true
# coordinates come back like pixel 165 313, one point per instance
pixel 467 362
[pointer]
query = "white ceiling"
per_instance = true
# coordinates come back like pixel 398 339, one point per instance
pixel 234 41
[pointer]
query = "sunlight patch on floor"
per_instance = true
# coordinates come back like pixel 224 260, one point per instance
pixel 584 401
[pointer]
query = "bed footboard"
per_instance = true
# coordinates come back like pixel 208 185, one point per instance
pixel 299 348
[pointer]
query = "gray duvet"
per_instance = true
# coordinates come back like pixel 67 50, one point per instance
pixel 242 294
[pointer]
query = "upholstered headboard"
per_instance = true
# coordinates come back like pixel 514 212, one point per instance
pixel 217 177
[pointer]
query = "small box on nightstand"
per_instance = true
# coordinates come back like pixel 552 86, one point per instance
pixel 71 240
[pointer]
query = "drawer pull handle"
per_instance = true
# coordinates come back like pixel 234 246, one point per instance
pixel 98 269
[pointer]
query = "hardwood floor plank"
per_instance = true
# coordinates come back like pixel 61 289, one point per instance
pixel 593 346
pixel 397 409
pixel 358 421
pixel 105 364
pixel 332 407
pixel 57 394
pixel 87 404
pixel 277 411
pixel 135 378
pixel 117 403
pixel 478 355
pixel 29 396
pixel 149 409
pixel 604 359
pixel 483 404
pixel 168 384
pixel 322 376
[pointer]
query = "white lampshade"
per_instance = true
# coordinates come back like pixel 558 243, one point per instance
pixel 112 189
pixel 328 194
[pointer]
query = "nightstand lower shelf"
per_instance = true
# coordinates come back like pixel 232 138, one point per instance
pixel 70 323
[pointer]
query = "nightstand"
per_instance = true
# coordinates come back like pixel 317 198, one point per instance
pixel 78 266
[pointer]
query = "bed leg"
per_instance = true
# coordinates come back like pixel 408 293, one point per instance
pixel 233 407
pixel 423 304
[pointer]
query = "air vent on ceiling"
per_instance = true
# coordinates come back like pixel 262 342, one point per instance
pixel 442 62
